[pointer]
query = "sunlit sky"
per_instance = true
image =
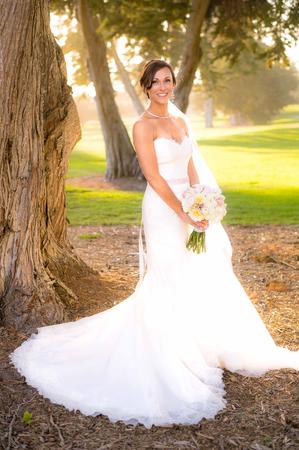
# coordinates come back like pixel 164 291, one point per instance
pixel 60 32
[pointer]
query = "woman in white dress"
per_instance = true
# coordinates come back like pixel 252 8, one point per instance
pixel 158 356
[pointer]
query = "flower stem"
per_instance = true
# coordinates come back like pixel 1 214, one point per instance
pixel 197 242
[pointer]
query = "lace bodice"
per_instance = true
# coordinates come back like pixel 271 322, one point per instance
pixel 173 156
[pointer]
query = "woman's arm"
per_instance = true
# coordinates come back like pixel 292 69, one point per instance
pixel 192 173
pixel 143 142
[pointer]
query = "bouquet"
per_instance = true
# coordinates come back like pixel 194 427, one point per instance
pixel 202 202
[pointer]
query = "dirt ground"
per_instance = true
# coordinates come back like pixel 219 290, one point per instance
pixel 261 413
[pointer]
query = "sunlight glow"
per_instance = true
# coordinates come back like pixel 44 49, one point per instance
pixel 60 30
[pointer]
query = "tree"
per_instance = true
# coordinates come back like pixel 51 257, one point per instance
pixel 74 43
pixel 191 53
pixel 238 25
pixel 231 26
pixel 235 26
pixel 121 158
pixel 125 78
pixel 39 127
pixel 101 21
pixel 270 90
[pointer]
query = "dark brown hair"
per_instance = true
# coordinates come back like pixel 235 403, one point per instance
pixel 150 69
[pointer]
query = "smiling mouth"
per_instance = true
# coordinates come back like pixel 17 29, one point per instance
pixel 162 95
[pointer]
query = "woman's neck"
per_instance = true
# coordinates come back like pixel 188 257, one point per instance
pixel 159 110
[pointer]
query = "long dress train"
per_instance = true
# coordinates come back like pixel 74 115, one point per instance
pixel 157 357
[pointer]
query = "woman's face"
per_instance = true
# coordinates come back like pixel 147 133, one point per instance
pixel 162 86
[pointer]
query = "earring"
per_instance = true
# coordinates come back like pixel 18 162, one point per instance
pixel 172 97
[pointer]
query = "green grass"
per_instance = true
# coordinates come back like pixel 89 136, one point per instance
pixel 88 157
pixel 92 207
pixel 85 164
pixel 90 235
pixel 262 206
pixel 257 168
pixel 258 172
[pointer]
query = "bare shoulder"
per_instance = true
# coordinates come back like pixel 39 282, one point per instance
pixel 182 123
pixel 143 128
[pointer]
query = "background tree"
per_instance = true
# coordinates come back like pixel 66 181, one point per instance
pixel 191 52
pixel 238 25
pixel 100 22
pixel 39 127
pixel 212 72
pixel 177 31
pixel 234 26
pixel 256 96
pixel 71 40
pixel 125 78
pixel 120 155
pixel 74 45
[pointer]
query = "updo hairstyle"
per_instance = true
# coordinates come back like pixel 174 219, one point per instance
pixel 149 70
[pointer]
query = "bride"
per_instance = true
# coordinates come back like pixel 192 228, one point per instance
pixel 158 356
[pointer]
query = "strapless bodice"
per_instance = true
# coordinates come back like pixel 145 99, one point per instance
pixel 173 157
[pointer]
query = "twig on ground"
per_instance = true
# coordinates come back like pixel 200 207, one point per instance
pixel 279 261
pixel 104 446
pixel 11 424
pixel 205 436
pixel 58 430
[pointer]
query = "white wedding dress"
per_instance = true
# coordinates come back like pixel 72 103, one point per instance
pixel 157 357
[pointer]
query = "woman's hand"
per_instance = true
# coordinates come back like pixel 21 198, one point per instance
pixel 200 225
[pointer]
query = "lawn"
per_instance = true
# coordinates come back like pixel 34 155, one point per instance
pixel 257 168
pixel 92 207
pixel 88 157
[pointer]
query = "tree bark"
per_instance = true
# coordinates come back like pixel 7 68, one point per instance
pixel 125 78
pixel 121 158
pixel 191 53
pixel 39 127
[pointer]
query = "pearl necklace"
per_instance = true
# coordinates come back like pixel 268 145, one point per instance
pixel 156 115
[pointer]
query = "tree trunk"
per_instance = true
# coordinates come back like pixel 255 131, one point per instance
pixel 191 53
pixel 97 102
pixel 236 119
pixel 121 158
pixel 208 110
pixel 39 127
pixel 125 78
